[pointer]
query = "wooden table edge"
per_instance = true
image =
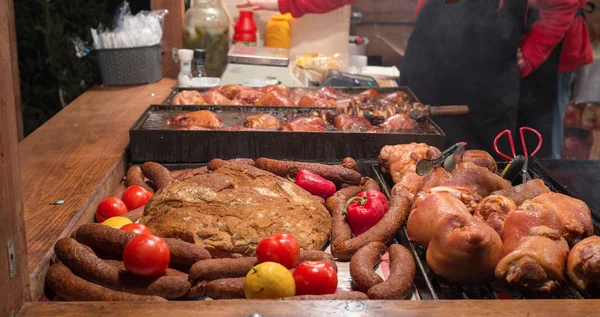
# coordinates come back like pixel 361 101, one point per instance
pixel 529 308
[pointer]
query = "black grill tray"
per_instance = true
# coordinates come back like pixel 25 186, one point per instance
pixel 429 287
pixel 152 140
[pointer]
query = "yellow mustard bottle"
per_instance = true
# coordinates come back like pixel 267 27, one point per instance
pixel 279 32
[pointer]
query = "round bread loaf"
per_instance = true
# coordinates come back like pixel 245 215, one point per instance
pixel 229 210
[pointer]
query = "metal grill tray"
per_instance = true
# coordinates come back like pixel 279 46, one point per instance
pixel 152 140
pixel 366 168
pixel 430 287
pixel 343 90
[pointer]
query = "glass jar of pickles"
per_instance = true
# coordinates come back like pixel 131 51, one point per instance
pixel 206 26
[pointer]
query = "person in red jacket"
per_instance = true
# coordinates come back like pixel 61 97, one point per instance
pixel 576 52
pixel 296 8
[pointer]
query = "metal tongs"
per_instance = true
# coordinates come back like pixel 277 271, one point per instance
pixel 518 162
pixel 448 159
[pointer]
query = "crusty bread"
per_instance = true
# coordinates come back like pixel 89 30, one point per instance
pixel 230 210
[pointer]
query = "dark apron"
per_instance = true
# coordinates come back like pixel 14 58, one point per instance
pixel 538 97
pixel 465 53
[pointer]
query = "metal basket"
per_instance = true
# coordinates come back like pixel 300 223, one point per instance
pixel 130 66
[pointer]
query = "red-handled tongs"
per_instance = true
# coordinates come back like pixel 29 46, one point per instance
pixel 514 153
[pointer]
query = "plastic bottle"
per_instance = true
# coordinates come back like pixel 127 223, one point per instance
pixel 184 78
pixel 245 29
pixel 279 32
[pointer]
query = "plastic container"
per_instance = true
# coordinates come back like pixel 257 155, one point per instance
pixel 245 29
pixel 279 31
pixel 130 66
pixel 206 26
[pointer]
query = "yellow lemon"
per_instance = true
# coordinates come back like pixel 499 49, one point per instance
pixel 117 222
pixel 269 280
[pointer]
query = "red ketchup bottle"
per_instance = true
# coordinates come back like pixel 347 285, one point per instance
pixel 245 29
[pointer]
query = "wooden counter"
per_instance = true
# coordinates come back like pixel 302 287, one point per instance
pixel 79 156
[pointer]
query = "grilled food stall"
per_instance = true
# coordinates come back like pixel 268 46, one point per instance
pixel 94 160
pixel 160 201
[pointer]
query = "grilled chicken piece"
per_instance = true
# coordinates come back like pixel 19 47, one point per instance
pixel 583 265
pixel 216 98
pixel 463 249
pixel 248 97
pixel 399 159
pixel 309 101
pixel 529 219
pixel 573 215
pixel 346 122
pixel 475 179
pixel 520 193
pixel 493 210
pixel 188 97
pixel 262 121
pixel 422 219
pixel 536 265
pixel 201 119
pixel 230 91
pixel 275 99
pixel 279 89
pixel 480 158
pixel 306 124
pixel 371 94
pixel 329 93
pixel 398 98
pixel 399 122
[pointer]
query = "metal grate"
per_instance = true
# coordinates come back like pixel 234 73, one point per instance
pixel 431 287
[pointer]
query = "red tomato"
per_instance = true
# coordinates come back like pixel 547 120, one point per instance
pixel 110 207
pixel 146 255
pixel 315 278
pixel 135 196
pixel 281 248
pixel 137 228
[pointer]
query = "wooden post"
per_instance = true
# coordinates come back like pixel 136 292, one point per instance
pixel 14 277
pixel 10 16
pixel 172 32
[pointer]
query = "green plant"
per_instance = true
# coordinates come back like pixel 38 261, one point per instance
pixel 51 75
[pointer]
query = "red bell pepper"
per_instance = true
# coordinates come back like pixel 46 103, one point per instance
pixel 365 210
pixel 313 183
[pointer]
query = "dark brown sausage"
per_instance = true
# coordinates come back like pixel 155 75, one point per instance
pixel 218 163
pixel 340 230
pixel 113 240
pixel 134 215
pixel 337 296
pixel 121 266
pixel 187 173
pixel 370 184
pixel 383 231
pixel 135 176
pixel 402 275
pixel 157 173
pixel 315 255
pixel 350 163
pixel 214 269
pixel 335 173
pixel 227 288
pixel 71 287
pixel 90 267
pixel 362 266
pixel 341 197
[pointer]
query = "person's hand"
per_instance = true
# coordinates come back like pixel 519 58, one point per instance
pixel 271 5
pixel 520 59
